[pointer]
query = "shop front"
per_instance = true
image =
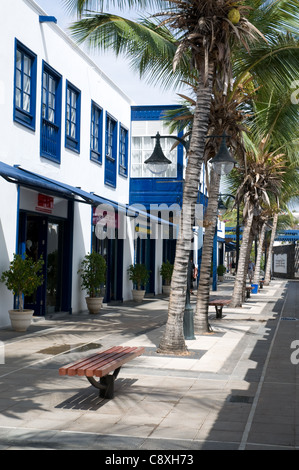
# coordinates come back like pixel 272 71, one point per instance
pixel 45 229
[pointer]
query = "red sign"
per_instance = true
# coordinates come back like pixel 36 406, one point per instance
pixel 45 203
pixel 105 218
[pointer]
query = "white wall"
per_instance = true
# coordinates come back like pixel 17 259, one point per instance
pixel 8 228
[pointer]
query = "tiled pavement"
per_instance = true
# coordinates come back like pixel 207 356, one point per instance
pixel 237 389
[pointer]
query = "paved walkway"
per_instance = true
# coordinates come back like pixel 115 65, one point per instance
pixel 237 389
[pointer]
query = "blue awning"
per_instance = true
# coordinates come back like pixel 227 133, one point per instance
pixel 16 174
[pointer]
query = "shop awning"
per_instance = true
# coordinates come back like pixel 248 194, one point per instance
pixel 16 174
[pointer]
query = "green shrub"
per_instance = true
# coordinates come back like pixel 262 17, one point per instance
pixel 139 274
pixel 166 271
pixel 23 277
pixel 93 273
pixel 221 270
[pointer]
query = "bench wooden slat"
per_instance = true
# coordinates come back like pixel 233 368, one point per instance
pixel 100 359
pixel 75 365
pixel 89 369
pixel 102 363
pixel 118 363
pixel 219 302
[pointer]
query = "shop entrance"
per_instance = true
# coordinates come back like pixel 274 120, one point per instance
pixel 145 253
pixel 41 235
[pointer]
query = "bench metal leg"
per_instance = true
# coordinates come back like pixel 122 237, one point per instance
pixel 218 311
pixel 105 385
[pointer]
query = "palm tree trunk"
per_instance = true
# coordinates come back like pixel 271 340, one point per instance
pixel 173 340
pixel 245 273
pixel 237 296
pixel 257 270
pixel 268 265
pixel 201 323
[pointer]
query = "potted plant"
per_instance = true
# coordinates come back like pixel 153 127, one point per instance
pixel 221 270
pixel 139 274
pixel 93 277
pixel 23 278
pixel 166 271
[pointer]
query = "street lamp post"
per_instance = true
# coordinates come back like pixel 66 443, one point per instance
pixel 222 163
pixel 221 206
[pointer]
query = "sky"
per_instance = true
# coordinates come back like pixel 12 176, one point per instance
pixel 117 69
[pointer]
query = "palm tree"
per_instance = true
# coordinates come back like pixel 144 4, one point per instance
pixel 265 175
pixel 182 41
pixel 264 219
pixel 204 32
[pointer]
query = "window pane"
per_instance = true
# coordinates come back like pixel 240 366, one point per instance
pixel 73 115
pixel 73 99
pixel 51 84
pixel 51 101
pixel 51 115
pixel 148 142
pixel 44 97
pixel 18 79
pixel 27 65
pixel 136 171
pixel 27 84
pixel 136 156
pixel 26 102
pixel 19 60
pixel 18 97
pixel 73 130
pixel 136 143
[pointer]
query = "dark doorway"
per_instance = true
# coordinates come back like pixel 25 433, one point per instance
pixel 46 237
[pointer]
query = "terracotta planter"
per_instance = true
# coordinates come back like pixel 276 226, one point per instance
pixel 20 320
pixel 166 290
pixel 94 304
pixel 138 295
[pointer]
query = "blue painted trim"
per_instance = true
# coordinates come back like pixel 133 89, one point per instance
pixel 111 162
pixel 58 111
pixel 47 19
pixel 97 155
pixel 27 119
pixel 18 220
pixel 150 113
pixel 123 169
pixel 70 142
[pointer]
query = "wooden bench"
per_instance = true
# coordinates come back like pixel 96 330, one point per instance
pixel 100 365
pixel 219 304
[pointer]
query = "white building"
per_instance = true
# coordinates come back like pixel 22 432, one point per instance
pixel 63 119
